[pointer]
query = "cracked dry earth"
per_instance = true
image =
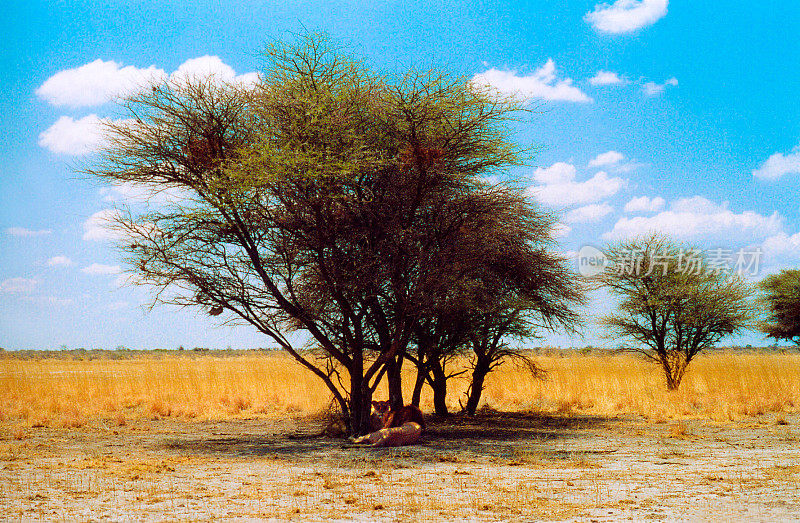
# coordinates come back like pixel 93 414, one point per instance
pixel 495 467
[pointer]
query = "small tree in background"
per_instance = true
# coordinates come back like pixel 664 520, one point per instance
pixel 781 297
pixel 672 306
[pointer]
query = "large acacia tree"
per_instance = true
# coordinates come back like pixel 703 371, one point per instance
pixel 325 200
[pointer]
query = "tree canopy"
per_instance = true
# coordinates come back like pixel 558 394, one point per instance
pixel 332 201
pixel 672 306
pixel 781 298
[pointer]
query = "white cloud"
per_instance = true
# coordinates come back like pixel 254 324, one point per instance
pixel 211 67
pixel 96 83
pixel 699 205
pixel 99 82
pixel 560 230
pixel 700 218
pixel 566 193
pixel 609 158
pixel 654 89
pixel 559 172
pixel 248 79
pixel 779 165
pixel 59 261
pixel 589 213
pixel 22 231
pixel 97 226
pixel 100 269
pixel 782 247
pixel 75 137
pixel 18 285
pixel 607 78
pixel 645 204
pixel 203 67
pixel 625 16
pixel 542 84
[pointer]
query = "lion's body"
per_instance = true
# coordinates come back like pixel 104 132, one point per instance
pixel 407 434
pixel 393 428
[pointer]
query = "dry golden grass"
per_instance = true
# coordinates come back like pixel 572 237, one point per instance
pixel 68 393
pixel 71 393
pixel 720 386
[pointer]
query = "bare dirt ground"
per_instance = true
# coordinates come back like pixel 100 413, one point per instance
pixel 496 467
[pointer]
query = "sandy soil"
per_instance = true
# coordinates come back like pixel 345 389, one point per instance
pixel 496 467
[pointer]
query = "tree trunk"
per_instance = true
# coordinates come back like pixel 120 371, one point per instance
pixel 360 400
pixel 672 384
pixel 394 378
pixel 418 384
pixel 422 375
pixel 476 387
pixel 439 386
pixel 673 375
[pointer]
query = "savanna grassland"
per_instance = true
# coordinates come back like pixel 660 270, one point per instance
pixel 70 391
pixel 204 435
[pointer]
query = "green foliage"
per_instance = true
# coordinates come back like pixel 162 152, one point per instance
pixel 331 201
pixel 781 297
pixel 671 307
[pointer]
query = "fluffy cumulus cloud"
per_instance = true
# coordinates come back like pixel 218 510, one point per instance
pixel 702 219
pixel 645 204
pixel 782 247
pixel 779 165
pixel 654 89
pixel 98 226
pixel 625 16
pixel 607 78
pixel 558 187
pixel 59 261
pixel 609 158
pixel 205 67
pixel 18 285
pixel 26 233
pixel 96 269
pixel 74 137
pixel 589 213
pixel 543 84
pixel 559 172
pixel 100 82
pixel 96 83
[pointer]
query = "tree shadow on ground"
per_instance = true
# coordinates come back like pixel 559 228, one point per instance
pixel 488 437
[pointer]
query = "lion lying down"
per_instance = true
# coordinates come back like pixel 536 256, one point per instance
pixel 393 428
pixel 406 434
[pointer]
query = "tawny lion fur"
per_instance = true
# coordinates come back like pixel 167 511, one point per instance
pixel 403 426
pixel 408 434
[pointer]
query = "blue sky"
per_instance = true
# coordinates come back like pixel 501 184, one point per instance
pixel 676 116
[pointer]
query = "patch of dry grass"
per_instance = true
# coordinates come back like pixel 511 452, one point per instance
pixel 68 393
pixel 71 393
pixel 721 387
